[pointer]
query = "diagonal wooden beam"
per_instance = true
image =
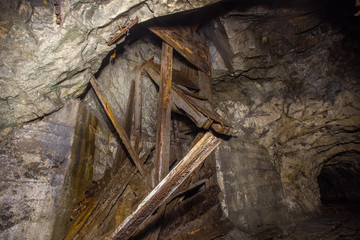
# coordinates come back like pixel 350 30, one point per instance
pixel 167 186
pixel 163 129
pixel 186 43
pixel 122 31
pixel 118 127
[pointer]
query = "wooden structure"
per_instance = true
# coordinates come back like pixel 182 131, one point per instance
pixel 172 180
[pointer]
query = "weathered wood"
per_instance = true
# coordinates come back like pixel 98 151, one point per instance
pixel 197 117
pixel 123 31
pixel 88 222
pixel 163 129
pixel 138 102
pixel 130 109
pixel 167 186
pixel 118 127
pixel 186 43
pixel 180 78
pixel 210 231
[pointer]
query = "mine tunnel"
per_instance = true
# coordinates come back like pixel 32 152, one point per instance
pixel 179 119
pixel 339 179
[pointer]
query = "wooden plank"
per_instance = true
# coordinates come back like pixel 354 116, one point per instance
pixel 179 77
pixel 186 43
pixel 121 154
pixel 118 127
pixel 210 231
pixel 197 117
pixel 122 31
pixel 167 186
pixel 108 196
pixel 163 129
pixel 138 102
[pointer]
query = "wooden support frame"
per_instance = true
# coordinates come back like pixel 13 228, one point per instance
pixel 167 186
pixel 187 44
pixel 118 127
pixel 163 129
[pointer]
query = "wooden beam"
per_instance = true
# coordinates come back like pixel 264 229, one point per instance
pixel 138 102
pixel 186 43
pixel 122 31
pixel 198 110
pixel 118 127
pixel 163 128
pixel 167 186
pixel 197 117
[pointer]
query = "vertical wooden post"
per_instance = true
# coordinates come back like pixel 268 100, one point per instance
pixel 163 127
pixel 138 101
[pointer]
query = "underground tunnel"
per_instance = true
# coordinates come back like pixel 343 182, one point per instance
pixel 179 119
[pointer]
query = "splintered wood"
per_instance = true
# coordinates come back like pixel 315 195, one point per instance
pixel 163 129
pixel 186 93
pixel 119 128
pixel 167 186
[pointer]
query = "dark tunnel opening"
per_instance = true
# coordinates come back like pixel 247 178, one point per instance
pixel 339 180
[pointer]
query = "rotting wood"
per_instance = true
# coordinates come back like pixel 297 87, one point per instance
pixel 123 31
pixel 167 186
pixel 137 103
pixel 89 220
pixel 178 77
pixel 210 231
pixel 197 117
pixel 118 127
pixel 196 109
pixel 121 154
pixel 186 43
pixel 162 154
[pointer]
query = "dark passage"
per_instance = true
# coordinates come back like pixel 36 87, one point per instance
pixel 339 180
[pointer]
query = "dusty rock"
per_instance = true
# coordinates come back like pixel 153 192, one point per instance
pixel 295 92
pixel 42 63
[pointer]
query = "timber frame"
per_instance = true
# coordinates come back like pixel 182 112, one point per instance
pixel 177 93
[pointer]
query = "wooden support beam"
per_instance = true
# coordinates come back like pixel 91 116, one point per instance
pixel 187 43
pixel 122 31
pixel 163 128
pixel 118 127
pixel 137 103
pixel 167 186
pixel 198 110
pixel 197 117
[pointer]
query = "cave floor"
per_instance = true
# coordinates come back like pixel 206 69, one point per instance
pixel 336 222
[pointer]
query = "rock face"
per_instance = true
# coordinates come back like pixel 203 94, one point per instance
pixel 253 198
pixel 46 167
pixel 294 91
pixel 43 63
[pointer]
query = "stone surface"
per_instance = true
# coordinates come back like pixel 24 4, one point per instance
pixel 252 195
pixel 46 168
pixel 295 92
pixel 42 63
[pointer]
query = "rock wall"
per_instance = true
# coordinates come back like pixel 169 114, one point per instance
pixel 43 63
pixel 294 90
pixel 252 194
pixel 46 168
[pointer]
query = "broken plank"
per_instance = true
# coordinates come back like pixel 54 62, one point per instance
pixel 186 43
pixel 163 129
pixel 167 186
pixel 118 127
pixel 197 117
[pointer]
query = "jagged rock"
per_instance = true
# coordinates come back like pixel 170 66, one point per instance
pixel 42 63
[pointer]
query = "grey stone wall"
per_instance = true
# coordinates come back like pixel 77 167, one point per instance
pixel 252 194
